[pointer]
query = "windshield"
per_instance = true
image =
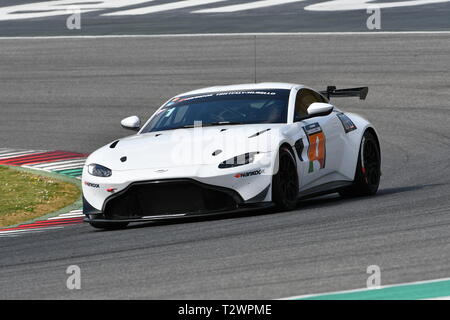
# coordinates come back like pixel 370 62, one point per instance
pixel 222 108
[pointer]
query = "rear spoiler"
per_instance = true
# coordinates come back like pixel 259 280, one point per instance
pixel 360 92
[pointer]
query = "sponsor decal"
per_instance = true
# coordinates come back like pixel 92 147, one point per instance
pixel 227 93
pixel 312 128
pixel 92 185
pixel 219 94
pixel 347 123
pixel 317 145
pixel 249 173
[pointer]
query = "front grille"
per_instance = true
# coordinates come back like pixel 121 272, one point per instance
pixel 169 197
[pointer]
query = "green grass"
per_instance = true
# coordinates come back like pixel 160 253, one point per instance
pixel 25 196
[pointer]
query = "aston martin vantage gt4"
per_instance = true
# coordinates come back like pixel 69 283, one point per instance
pixel 232 148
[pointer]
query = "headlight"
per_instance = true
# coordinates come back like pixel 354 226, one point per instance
pixel 240 160
pixel 99 171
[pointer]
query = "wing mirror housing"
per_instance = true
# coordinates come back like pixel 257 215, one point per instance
pixel 131 123
pixel 318 109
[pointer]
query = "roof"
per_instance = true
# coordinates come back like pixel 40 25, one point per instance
pixel 245 86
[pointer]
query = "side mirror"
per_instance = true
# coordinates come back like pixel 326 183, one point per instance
pixel 318 109
pixel 131 123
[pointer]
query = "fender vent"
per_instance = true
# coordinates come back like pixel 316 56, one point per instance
pixel 299 146
pixel 114 144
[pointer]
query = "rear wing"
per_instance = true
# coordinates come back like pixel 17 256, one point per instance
pixel 360 92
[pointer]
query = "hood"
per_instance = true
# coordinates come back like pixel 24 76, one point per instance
pixel 187 147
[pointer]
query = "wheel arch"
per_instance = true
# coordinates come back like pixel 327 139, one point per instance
pixel 276 156
pixel 374 133
pixel 281 201
pixel 289 147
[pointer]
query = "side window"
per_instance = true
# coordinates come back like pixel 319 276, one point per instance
pixel 303 100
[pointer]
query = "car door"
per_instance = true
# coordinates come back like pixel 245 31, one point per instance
pixel 320 140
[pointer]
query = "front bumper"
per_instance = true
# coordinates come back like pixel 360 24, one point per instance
pixel 169 199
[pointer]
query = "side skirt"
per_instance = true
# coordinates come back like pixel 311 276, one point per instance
pixel 323 189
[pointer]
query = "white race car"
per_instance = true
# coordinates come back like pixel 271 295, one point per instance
pixel 232 148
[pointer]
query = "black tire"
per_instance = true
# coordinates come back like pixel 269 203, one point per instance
pixel 285 185
pixel 109 226
pixel 368 169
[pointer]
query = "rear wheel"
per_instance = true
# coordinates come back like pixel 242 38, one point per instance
pixel 285 183
pixel 368 170
pixel 109 226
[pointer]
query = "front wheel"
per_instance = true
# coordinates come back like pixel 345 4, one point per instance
pixel 368 169
pixel 285 185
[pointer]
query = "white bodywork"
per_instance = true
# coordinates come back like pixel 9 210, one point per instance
pixel 184 153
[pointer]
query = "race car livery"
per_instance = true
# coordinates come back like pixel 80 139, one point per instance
pixel 232 148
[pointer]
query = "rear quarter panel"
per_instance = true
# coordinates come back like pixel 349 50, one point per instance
pixel 352 143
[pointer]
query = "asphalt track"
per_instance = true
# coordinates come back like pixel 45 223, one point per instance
pixel 71 93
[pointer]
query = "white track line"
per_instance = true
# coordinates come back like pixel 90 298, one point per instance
pixel 71 214
pixel 73 211
pixel 7 232
pixel 18 154
pixel 8 151
pixel 57 163
pixel 77 215
pixel 347 5
pixel 61 167
pixel 162 7
pixel 193 35
pixel 46 9
pixel 4 150
pixel 246 6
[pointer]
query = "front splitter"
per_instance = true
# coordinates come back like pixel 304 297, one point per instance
pixel 248 208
